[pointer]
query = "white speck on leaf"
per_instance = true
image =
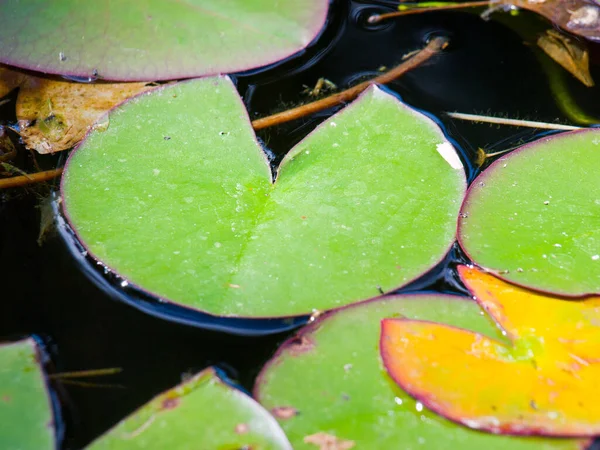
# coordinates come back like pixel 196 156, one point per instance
pixel 447 152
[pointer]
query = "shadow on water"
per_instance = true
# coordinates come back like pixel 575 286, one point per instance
pixel 89 322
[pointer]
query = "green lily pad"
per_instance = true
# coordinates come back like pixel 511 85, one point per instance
pixel 177 197
pixel 26 418
pixel 532 216
pixel 154 39
pixel 328 382
pixel 203 412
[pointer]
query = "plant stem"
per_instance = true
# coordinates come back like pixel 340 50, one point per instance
pixel 32 178
pixel 512 122
pixel 407 12
pixel 434 46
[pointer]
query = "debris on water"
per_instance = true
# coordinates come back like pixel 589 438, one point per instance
pixel 327 441
pixel 78 79
pixel 170 403
pixel 284 412
pixel 584 17
pixel 242 428
pixel 299 345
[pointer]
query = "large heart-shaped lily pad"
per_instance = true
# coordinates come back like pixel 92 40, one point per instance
pixel 177 197
pixel 154 39
pixel 544 382
pixel 26 418
pixel 328 384
pixel 203 412
pixel 532 216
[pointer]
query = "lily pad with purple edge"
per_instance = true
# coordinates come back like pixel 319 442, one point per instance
pixel 201 413
pixel 533 216
pixel 154 39
pixel 328 383
pixel 177 197
pixel 26 414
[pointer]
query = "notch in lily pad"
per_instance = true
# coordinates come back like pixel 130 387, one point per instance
pixel 327 384
pixel 202 412
pixel 543 382
pixel 156 39
pixel 177 197
pixel 532 216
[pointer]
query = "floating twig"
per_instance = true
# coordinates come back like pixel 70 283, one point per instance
pixel 72 378
pixel 376 18
pixel 434 46
pixel 86 373
pixel 31 178
pixel 512 122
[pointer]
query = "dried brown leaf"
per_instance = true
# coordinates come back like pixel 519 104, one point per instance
pixel 55 114
pixel 580 17
pixel 569 53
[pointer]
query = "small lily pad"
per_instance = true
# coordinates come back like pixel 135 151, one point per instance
pixel 532 216
pixel 26 417
pixel 203 412
pixel 154 39
pixel 328 383
pixel 177 197
pixel 543 382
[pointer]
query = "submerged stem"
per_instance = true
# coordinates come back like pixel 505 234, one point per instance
pixel 512 122
pixel 434 46
pixel 31 178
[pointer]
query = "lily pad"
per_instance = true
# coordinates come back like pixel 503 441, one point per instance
pixel 544 381
pixel 177 197
pixel 532 216
pixel 26 418
pixel 203 412
pixel 328 380
pixel 154 39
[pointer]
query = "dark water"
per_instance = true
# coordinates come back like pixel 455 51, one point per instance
pixel 87 322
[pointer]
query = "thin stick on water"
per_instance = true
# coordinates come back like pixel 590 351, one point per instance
pixel 434 46
pixel 31 178
pixel 512 122
pixel 74 378
pixel 86 373
pixel 376 18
